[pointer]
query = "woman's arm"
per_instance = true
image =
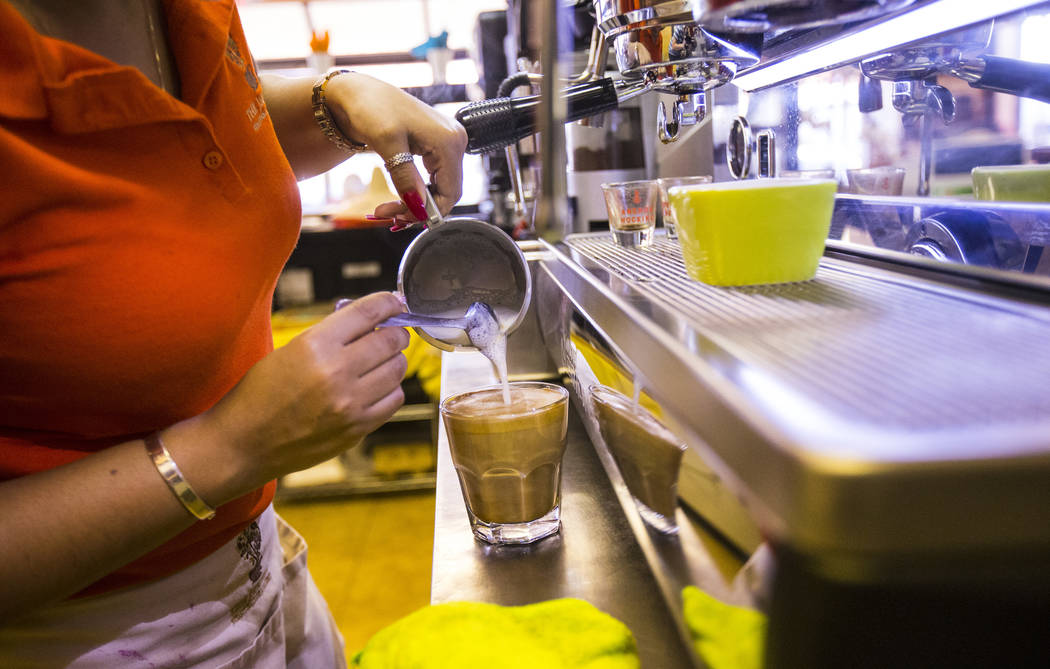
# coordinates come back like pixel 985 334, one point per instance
pixel 308 401
pixel 289 102
pixel 384 117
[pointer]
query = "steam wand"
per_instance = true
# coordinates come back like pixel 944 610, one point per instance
pixel 498 122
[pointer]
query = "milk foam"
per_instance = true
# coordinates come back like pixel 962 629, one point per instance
pixel 489 402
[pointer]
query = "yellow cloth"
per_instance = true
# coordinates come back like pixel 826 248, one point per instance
pixel 290 323
pixel 725 636
pixel 610 373
pixel 557 634
pixel 424 362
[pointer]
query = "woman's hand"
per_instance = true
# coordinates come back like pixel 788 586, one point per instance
pixel 302 404
pixel 309 400
pixel 391 121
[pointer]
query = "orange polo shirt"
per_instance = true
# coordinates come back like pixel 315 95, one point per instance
pixel 140 241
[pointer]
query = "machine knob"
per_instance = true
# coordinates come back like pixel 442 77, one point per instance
pixel 961 236
pixel 739 147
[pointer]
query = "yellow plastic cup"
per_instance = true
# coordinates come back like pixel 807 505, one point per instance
pixel 761 231
pixel 1012 183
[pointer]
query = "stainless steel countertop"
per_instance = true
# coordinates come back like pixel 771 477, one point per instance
pixel 596 556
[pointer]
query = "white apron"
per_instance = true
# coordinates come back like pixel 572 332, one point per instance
pixel 250 604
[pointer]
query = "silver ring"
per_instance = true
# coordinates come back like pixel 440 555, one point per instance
pixel 397 160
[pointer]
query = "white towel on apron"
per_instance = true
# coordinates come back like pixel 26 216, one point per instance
pixel 250 604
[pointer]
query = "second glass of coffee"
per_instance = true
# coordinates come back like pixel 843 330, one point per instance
pixel 508 458
pixel 647 453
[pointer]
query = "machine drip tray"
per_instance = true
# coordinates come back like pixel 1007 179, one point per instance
pixel 862 415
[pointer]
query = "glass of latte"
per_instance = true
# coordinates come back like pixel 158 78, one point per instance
pixel 508 458
pixel 647 453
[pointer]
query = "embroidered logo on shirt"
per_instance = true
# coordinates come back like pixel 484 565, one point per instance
pixel 251 77
pixel 242 607
pixel 249 545
pixel 256 110
pixel 233 53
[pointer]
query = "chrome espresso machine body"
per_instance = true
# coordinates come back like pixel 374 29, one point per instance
pixel 885 427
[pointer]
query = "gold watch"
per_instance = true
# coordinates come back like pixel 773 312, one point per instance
pixel 324 117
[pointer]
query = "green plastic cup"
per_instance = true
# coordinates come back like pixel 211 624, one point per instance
pixel 761 231
pixel 1012 183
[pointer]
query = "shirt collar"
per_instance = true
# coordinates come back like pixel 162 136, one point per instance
pixel 81 91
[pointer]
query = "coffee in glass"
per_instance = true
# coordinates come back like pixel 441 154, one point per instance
pixel 647 453
pixel 508 458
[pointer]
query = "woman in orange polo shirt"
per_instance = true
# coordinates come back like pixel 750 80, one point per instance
pixel 150 203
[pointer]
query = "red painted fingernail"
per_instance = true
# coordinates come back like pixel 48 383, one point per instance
pixel 385 219
pixel 415 204
pixel 404 223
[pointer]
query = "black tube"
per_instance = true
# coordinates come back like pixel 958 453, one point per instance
pixel 499 122
pixel 510 83
pixel 1017 77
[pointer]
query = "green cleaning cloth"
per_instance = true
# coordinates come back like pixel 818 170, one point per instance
pixel 557 634
pixel 725 636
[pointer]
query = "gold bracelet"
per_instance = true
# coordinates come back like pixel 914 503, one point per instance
pixel 169 471
pixel 324 117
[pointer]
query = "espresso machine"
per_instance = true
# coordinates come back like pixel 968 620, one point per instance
pixel 874 444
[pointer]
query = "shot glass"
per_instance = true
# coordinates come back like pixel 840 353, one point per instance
pixel 508 458
pixel 808 174
pixel 884 227
pixel 875 181
pixel 666 183
pixel 648 455
pixel 632 211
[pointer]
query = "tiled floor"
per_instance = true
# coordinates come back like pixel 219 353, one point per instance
pixel 370 556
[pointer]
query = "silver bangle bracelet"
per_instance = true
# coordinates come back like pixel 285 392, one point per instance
pixel 169 471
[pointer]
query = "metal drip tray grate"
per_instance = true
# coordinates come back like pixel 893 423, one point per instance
pixel 864 345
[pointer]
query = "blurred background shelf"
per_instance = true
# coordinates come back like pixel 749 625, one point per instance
pixel 398 457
